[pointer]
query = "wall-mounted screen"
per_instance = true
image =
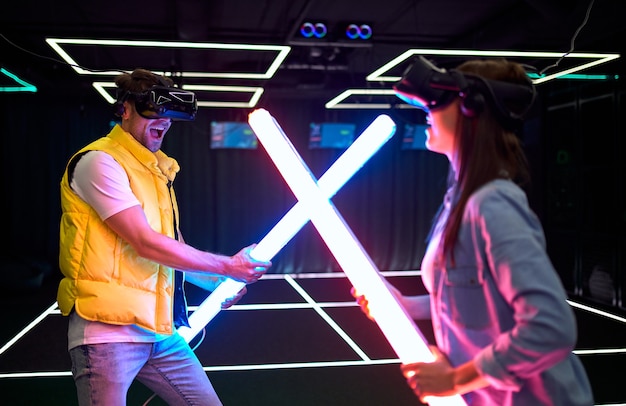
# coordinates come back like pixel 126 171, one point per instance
pixel 232 134
pixel 331 135
pixel 414 136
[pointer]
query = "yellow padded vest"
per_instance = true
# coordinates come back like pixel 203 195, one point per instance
pixel 104 278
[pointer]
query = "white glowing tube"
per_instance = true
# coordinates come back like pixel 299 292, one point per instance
pixel 400 330
pixel 362 149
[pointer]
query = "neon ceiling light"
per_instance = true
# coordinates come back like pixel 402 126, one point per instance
pixel 255 92
pixel 597 59
pixel 379 75
pixel 24 86
pixel 254 99
pixel 352 159
pixel 335 103
pixel 400 330
pixel 281 53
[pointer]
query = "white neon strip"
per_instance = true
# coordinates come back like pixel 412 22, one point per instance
pixel 254 99
pixel 275 366
pixel 334 103
pixel 281 50
pixel 277 306
pixel 400 330
pixel 28 328
pixel 299 365
pixel 222 368
pixel 327 319
pixel 597 311
pixel 601 351
pixel 100 86
pixel 366 145
pixel 574 69
pixel 35 374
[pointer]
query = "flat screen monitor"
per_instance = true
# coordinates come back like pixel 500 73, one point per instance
pixel 331 135
pixel 414 136
pixel 232 134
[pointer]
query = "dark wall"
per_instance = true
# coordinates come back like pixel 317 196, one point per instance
pixel 586 189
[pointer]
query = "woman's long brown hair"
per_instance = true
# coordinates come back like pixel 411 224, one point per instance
pixel 485 150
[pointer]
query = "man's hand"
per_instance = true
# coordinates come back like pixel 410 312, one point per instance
pixel 231 301
pixel 243 268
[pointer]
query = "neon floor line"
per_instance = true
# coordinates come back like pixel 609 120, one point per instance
pixel 293 280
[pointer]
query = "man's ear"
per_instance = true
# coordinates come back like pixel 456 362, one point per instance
pixel 126 109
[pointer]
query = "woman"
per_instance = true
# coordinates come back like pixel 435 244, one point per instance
pixel 503 328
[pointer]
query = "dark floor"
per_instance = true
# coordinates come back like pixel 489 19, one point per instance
pixel 276 347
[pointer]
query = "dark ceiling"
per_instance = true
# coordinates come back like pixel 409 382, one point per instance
pixel 318 69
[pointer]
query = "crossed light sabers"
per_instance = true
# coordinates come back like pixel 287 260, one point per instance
pixel 361 150
pixel 313 203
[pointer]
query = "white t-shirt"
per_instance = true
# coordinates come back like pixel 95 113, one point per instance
pixel 101 181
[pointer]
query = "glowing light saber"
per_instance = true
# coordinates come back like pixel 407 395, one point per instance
pixel 361 150
pixel 400 330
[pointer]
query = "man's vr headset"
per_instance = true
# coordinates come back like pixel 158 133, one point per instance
pixel 428 87
pixel 162 102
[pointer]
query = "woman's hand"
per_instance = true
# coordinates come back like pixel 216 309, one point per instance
pixel 362 302
pixel 435 378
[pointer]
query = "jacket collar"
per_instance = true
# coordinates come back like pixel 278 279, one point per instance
pixel 158 161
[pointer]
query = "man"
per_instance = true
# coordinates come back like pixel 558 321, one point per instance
pixel 123 256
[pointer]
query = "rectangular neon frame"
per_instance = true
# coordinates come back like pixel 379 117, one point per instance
pixel 281 53
pixel 379 75
pixel 598 59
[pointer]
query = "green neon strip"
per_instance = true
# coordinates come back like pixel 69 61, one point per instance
pixel 578 76
pixel 26 87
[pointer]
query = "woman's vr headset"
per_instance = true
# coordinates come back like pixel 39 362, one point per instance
pixel 161 102
pixel 428 87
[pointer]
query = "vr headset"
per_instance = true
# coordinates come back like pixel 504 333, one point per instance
pixel 429 88
pixel 162 102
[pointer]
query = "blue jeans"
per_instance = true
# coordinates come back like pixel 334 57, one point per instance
pixel 104 372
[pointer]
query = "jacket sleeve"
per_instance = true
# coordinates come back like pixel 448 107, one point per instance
pixel 544 328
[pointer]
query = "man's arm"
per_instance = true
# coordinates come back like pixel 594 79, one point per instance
pixel 132 226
